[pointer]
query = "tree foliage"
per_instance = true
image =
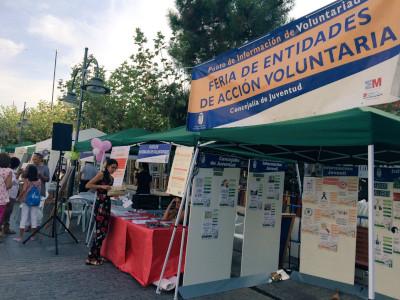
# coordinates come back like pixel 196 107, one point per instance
pixel 205 28
pixel 39 122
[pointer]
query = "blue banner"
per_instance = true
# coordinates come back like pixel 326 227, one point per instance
pixel 154 153
pixel 260 166
pixel 339 171
pixel 207 160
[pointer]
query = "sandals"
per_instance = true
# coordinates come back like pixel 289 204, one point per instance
pixel 93 262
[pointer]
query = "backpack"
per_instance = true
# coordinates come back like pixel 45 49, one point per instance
pixel 33 197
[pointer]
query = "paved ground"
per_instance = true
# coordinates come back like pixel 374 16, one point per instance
pixel 34 272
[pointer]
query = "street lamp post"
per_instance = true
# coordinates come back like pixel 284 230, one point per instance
pixel 95 85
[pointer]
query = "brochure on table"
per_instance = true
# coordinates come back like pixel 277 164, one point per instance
pixel 387 235
pixel 329 224
pixel 212 219
pixel 179 170
pixel 262 224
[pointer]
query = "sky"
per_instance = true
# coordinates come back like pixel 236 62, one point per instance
pixel 31 31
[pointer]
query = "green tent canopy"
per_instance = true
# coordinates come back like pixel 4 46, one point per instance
pixel 177 135
pixel 116 139
pixel 340 137
pixel 11 148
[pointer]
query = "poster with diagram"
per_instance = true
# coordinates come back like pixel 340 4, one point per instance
pixel 329 223
pixel 262 223
pixel 213 199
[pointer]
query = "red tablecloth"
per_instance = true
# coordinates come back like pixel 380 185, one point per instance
pixel 140 251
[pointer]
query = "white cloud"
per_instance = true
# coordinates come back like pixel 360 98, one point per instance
pixel 9 48
pixel 17 89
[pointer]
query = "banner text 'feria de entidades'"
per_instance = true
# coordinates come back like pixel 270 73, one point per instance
pixel 286 63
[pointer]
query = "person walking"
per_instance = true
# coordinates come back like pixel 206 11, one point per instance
pixel 5 185
pixel 30 191
pixel 102 182
pixel 13 193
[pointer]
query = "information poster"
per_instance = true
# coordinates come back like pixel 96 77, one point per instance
pixel 329 224
pixel 262 224
pixel 212 219
pixel 180 170
pixel 121 155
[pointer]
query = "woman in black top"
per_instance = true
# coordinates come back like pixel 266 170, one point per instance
pixel 102 182
pixel 143 180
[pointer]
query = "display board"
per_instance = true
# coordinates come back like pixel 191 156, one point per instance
pixel 262 223
pixel 154 153
pixel 120 154
pixel 387 235
pixel 212 219
pixel 329 224
pixel 179 170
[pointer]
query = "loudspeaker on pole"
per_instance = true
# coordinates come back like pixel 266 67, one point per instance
pixel 62 137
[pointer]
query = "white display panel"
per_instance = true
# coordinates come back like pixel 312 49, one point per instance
pixel 211 225
pixel 329 223
pixel 262 225
pixel 387 231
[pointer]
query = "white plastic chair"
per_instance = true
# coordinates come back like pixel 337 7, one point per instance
pixel 79 209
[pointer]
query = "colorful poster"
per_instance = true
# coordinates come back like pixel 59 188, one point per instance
pixel 255 189
pixel 210 227
pixel 121 155
pixel 345 220
pixel 269 215
pixel 311 220
pixel 328 237
pixel 180 170
pixel 347 51
pixel 228 192
pixel 202 191
pixel 384 250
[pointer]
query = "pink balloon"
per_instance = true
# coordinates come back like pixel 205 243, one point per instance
pixel 106 145
pixel 99 156
pixel 96 143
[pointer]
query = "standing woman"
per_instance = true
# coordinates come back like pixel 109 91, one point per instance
pixel 31 183
pixel 5 185
pixel 102 182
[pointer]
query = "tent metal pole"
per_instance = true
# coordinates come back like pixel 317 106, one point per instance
pixel 192 163
pixel 371 224
pixel 298 179
pixel 89 232
pixel 185 220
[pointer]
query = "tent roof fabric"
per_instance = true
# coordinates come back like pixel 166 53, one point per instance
pixel 11 148
pixel 117 139
pixel 177 135
pixel 354 127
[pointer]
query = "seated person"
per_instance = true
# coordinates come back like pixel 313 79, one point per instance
pixel 171 212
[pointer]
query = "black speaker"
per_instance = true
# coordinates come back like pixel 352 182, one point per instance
pixel 62 137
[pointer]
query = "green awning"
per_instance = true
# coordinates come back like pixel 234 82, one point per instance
pixel 116 139
pixel 11 148
pixel 340 137
pixel 355 127
pixel 177 135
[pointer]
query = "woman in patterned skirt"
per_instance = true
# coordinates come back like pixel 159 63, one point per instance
pixel 102 182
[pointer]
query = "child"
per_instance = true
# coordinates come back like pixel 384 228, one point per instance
pixel 31 179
